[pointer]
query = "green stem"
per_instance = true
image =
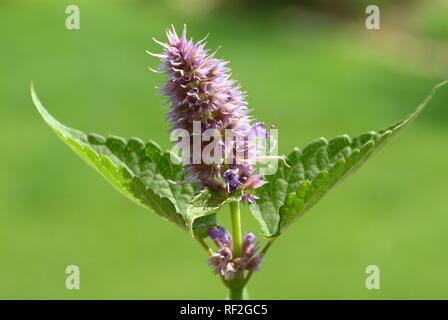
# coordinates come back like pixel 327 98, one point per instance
pixel 236 293
pixel 204 245
pixel 237 285
pixel 236 228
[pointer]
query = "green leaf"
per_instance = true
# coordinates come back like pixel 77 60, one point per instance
pixel 310 173
pixel 143 173
pixel 202 209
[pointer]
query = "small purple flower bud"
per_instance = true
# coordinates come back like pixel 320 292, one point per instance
pixel 249 238
pixel 230 271
pixel 254 182
pixel 253 263
pixel 220 235
pixel 222 263
pixel 231 178
pixel 218 262
pixel 214 260
pixel 259 130
pixel 249 245
pixel 249 198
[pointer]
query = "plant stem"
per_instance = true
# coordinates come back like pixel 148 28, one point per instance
pixel 236 293
pixel 204 245
pixel 236 228
pixel 237 285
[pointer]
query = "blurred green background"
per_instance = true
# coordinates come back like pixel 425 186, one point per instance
pixel 310 68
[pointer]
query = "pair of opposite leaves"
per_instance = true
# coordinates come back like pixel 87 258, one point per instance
pixel 145 174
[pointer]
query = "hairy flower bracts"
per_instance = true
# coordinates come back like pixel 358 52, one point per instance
pixel 224 262
pixel 203 97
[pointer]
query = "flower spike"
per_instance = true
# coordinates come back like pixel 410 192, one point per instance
pixel 200 89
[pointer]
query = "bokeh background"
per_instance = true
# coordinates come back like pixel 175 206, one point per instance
pixel 309 67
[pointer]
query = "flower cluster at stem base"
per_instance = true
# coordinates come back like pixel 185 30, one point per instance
pixel 224 261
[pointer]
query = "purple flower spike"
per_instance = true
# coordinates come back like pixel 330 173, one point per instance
pixel 200 89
